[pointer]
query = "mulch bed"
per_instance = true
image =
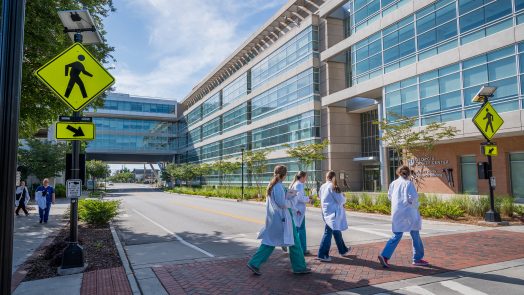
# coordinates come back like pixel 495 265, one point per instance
pixel 99 250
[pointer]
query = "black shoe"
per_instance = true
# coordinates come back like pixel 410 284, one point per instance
pixel 40 220
pixel 17 214
pixel 255 270
pixel 305 271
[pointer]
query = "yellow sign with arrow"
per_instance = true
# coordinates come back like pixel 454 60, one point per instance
pixel 75 131
pixel 75 76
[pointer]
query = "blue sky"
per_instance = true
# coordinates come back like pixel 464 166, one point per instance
pixel 165 47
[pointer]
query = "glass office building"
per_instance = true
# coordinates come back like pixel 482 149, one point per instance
pixel 270 98
pixel 131 128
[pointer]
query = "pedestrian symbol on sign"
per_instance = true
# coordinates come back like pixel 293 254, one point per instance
pixel 489 123
pixel 77 68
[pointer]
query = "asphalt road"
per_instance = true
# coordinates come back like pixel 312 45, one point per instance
pixel 157 228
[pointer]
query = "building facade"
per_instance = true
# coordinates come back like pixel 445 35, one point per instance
pixel 426 59
pixel 134 129
pixel 329 69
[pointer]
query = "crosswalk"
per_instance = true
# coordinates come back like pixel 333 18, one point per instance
pixel 440 288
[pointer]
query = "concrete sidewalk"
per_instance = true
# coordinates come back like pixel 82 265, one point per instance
pixel 447 253
pixel 29 234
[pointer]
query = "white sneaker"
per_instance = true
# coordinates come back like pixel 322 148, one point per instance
pixel 347 253
pixel 325 259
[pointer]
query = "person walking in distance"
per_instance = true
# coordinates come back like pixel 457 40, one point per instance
pixel 22 198
pixel 332 204
pixel 299 208
pixel 46 194
pixel 279 229
pixel 405 217
pixel 77 68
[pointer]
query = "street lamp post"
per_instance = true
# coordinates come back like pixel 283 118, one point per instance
pixel 242 172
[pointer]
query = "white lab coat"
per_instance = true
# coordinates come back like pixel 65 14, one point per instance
pixel 299 203
pixel 23 198
pixel 332 204
pixel 278 230
pixel 404 206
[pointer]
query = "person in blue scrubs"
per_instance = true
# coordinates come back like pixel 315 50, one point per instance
pixel 48 192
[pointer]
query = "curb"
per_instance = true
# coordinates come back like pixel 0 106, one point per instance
pixel 125 262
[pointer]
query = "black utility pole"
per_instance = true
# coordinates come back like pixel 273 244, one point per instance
pixel 242 160
pixel 74 253
pixel 492 215
pixel 11 53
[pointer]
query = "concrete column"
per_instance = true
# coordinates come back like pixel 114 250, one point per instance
pixel 342 129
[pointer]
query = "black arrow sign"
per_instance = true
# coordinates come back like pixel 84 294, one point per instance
pixel 77 132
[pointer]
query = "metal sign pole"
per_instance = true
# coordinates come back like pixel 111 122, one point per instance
pixel 74 254
pixel 492 215
pixel 12 40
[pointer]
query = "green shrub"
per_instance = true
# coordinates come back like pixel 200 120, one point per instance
pixel 366 200
pixel 60 191
pixel 507 206
pixel 97 212
pixel 383 200
pixel 519 210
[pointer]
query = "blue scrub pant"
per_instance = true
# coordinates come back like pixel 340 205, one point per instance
pixel 44 213
pixel 325 244
pixel 391 245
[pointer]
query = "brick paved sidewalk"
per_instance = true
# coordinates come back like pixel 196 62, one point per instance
pixel 446 253
pixel 106 281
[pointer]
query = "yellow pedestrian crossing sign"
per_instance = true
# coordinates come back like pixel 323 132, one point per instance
pixel 75 76
pixel 488 121
pixel 75 131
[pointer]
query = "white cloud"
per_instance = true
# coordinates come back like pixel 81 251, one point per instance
pixel 188 38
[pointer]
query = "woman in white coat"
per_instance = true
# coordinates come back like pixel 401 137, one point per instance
pixel 405 217
pixel 280 228
pixel 299 208
pixel 332 203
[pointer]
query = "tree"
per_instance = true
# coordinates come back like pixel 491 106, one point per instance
pixel 307 154
pixel 97 169
pixel 123 176
pixel 256 164
pixel 226 169
pixel 186 172
pixel 403 138
pixel 43 158
pixel 43 39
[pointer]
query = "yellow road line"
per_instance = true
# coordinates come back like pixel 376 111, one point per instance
pixel 222 213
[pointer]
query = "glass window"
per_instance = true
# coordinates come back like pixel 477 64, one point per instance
pixel 235 90
pixel 429 88
pixel 211 128
pixel 235 117
pixel 475 76
pixel 502 68
pixel 449 83
pixel 211 105
pixel 517 170
pixel 297 50
pixel 468 169
pixel 297 90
